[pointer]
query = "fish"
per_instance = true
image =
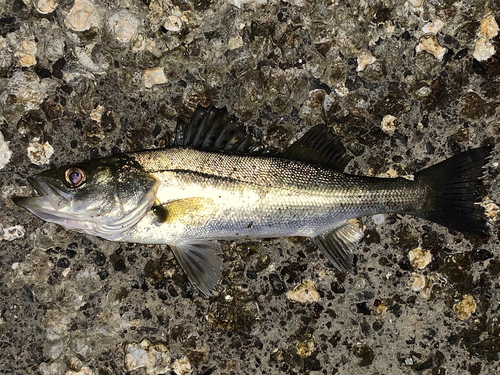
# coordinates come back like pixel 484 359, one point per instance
pixel 216 181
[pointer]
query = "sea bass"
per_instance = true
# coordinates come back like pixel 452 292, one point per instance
pixel 215 182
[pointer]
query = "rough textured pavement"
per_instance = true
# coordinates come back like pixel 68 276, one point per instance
pixel 405 84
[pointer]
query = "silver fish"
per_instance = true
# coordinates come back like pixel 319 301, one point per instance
pixel 215 182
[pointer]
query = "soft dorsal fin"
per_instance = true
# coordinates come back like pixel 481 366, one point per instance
pixel 212 129
pixel 339 245
pixel 319 146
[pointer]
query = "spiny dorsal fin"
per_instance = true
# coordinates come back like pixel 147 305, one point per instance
pixel 212 129
pixel 339 246
pixel 319 146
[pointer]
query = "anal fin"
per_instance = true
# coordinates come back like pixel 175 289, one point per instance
pixel 200 262
pixel 339 245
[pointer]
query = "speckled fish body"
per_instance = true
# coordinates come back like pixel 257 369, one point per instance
pixel 208 195
pixel 214 182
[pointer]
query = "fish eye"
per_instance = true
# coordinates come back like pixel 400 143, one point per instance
pixel 75 176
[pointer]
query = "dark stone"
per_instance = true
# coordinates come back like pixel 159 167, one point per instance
pixel 277 284
pixel 63 263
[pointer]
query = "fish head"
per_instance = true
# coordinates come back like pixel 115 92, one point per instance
pixel 103 197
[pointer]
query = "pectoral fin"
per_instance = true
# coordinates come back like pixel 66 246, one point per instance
pixel 200 262
pixel 339 246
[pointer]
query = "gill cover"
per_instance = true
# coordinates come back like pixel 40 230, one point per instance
pixel 103 197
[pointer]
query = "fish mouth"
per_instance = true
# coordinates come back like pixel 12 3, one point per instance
pixel 50 203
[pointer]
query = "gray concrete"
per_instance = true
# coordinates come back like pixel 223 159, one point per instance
pixel 74 79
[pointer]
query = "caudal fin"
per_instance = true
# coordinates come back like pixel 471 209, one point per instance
pixel 455 191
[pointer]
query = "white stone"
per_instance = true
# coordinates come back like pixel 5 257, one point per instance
pixel 483 49
pixel 155 76
pixel 235 42
pixel 182 366
pixel 5 152
pixel 173 23
pixel 466 307
pixel 420 258
pixel 490 208
pixel 83 371
pixel 28 89
pixel 417 282
pixel 423 92
pixel 304 293
pixel 416 3
pixel 40 153
pixel 28 52
pixel 154 358
pixel 13 233
pixel 433 27
pixel 82 16
pixel 429 44
pixel 305 348
pixel 489 28
pixel 124 26
pixel 378 219
pixel 389 124
pixel 240 3
pixel 96 113
pixel 45 6
pixel 365 58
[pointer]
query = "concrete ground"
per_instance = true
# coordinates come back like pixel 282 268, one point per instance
pixel 404 84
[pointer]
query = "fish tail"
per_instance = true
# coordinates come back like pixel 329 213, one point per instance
pixel 454 188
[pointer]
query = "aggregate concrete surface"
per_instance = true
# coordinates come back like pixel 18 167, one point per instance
pixel 404 84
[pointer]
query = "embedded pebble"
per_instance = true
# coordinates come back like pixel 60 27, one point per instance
pixel 420 258
pixel 52 368
pixel 12 233
pixel 432 280
pixel 182 366
pixel 391 173
pixel 40 153
pixel 124 25
pixel 28 52
pixel 83 371
pixel 465 308
pixel 488 28
pixel 417 282
pixel 154 358
pixel 28 91
pixel 305 348
pixel 381 309
pixel 429 44
pixel 378 219
pixel 304 293
pixel 45 6
pixel 35 269
pixel 82 16
pixel 5 152
pixel 416 3
pixel 235 42
pixel 240 3
pixel 365 58
pixel 173 23
pixel 155 76
pixel 483 49
pixel 389 124
pixel 97 112
pixel 423 92
pixel 433 27
pixel 490 208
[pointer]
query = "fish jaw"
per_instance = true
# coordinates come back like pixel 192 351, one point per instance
pixel 52 205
